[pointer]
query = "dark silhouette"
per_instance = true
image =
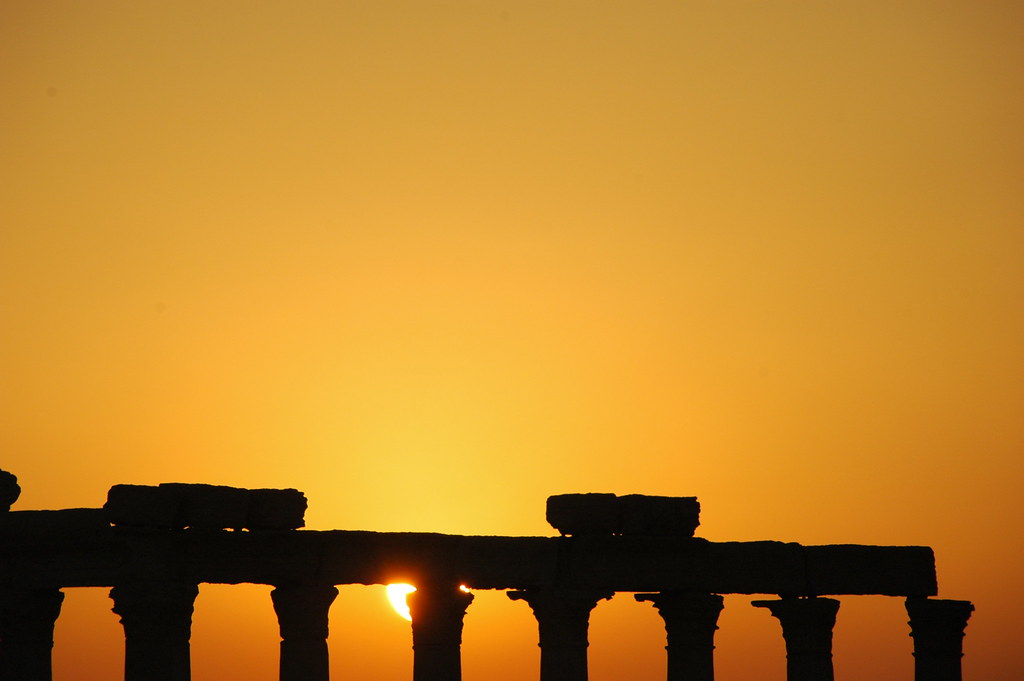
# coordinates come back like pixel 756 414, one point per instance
pixel 155 544
pixel 9 490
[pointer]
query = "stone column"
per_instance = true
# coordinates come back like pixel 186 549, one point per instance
pixel 807 627
pixel 27 617
pixel 691 620
pixel 157 619
pixel 563 618
pixel 937 627
pixel 437 612
pixel 302 617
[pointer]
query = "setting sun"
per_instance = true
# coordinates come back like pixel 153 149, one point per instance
pixel 397 594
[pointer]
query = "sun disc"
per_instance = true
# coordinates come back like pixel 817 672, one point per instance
pixel 396 594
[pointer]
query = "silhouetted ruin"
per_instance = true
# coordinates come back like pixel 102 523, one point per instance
pixel 153 546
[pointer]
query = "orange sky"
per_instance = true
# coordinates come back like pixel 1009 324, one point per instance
pixel 430 262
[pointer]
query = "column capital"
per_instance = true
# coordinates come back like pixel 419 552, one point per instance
pixel 27 617
pixel 556 603
pixel 685 607
pixel 804 618
pixel 155 609
pixel 437 610
pixel 937 627
pixel 691 620
pixel 302 609
pixel 437 613
pixel 29 613
pixel 302 616
pixel 563 618
pixel 938 621
pixel 807 627
pixel 157 620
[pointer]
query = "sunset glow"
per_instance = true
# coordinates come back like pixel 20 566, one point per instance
pixel 430 263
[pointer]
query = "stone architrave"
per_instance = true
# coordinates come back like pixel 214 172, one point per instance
pixel 563 619
pixel 691 620
pixel 437 612
pixel 937 627
pixel 157 620
pixel 807 627
pixel 302 617
pixel 27 617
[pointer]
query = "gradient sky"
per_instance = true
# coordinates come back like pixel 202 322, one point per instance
pixel 431 262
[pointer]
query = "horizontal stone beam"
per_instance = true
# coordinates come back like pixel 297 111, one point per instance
pixel 76 548
pixel 175 505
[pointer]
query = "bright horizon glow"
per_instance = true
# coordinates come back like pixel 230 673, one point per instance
pixel 396 594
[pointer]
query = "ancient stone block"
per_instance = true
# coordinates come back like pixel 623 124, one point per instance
pixel 507 562
pixel 633 514
pixel 583 514
pixel 144 506
pixel 640 514
pixel 210 507
pixel 53 524
pixel 627 563
pixel 859 569
pixel 276 509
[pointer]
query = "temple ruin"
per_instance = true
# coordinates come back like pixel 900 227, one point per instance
pixel 153 545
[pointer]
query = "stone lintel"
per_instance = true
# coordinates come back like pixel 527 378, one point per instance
pixel 67 523
pixel 108 556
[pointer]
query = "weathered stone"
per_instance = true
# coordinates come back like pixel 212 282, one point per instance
pixel 855 569
pixel 64 523
pixel 583 514
pixel 640 514
pixel 276 509
pixel 503 562
pixel 9 490
pixel 144 506
pixel 208 507
pixel 632 514
pixel 632 543
pixel 691 564
pixel 211 507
